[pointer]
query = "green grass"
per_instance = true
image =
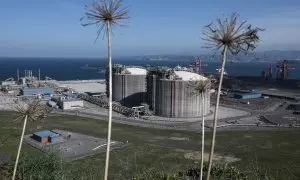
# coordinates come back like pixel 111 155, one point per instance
pixel 276 152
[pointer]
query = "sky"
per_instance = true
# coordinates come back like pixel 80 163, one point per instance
pixel 38 28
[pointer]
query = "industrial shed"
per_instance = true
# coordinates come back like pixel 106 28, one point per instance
pixel 36 91
pixel 47 136
pixel 129 85
pixel 170 94
pixel 252 95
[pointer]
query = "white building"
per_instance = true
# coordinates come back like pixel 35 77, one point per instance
pixel 8 83
pixel 71 104
pixel 7 100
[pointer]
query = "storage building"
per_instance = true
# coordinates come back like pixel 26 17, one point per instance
pixel 36 91
pixel 8 83
pixel 47 137
pixel 70 104
pixel 252 95
pixel 7 99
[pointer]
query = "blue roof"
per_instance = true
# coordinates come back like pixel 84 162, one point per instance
pixel 250 93
pixel 46 133
pixel 31 91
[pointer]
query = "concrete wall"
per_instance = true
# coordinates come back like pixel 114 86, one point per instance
pixel 130 90
pixel 175 98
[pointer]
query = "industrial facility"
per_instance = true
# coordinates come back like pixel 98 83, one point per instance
pixel 170 93
pixel 129 85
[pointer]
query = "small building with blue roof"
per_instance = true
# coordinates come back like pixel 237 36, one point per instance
pixel 46 136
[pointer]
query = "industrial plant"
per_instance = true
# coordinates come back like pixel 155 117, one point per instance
pixel 48 90
pixel 142 92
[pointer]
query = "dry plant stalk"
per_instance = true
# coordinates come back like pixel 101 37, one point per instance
pixel 232 37
pixel 34 111
pixel 199 88
pixel 106 14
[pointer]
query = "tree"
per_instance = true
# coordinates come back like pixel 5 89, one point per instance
pixel 31 110
pixel 199 88
pixel 232 37
pixel 105 14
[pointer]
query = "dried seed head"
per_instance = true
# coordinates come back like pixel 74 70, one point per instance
pixel 238 37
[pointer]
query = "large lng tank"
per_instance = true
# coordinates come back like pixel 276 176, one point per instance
pixel 129 85
pixel 174 96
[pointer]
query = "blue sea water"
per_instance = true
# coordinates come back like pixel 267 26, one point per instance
pixel 70 69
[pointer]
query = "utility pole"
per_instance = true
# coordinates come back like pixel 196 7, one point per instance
pixel 200 67
pixel 39 74
pixel 18 76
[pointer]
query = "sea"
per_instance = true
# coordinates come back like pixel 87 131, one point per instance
pixel 71 69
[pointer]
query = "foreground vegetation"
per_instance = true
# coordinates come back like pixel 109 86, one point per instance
pixel 50 167
pixel 164 151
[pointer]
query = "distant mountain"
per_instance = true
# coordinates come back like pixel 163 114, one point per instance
pixel 277 55
pixel 266 56
pixel 164 57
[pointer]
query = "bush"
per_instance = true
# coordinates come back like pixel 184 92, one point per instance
pixel 46 167
pixel 218 172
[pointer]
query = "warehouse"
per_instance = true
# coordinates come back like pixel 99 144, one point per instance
pixel 252 95
pixel 170 94
pixel 36 91
pixel 7 99
pixel 8 83
pixel 47 137
pixel 129 85
pixel 70 104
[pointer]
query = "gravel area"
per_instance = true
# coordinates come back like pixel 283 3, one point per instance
pixel 73 145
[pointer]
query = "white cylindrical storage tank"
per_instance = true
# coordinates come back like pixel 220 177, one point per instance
pixel 129 85
pixel 175 96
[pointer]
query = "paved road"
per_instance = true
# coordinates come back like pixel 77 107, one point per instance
pixel 189 126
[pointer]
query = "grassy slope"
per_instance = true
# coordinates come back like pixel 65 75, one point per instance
pixel 277 152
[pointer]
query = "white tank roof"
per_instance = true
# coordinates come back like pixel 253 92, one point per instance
pixel 189 76
pixel 137 71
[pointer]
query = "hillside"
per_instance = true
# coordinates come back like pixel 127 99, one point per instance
pixel 269 56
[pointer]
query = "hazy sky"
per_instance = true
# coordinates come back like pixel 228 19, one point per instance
pixel 52 28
